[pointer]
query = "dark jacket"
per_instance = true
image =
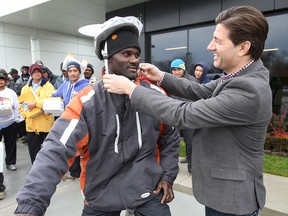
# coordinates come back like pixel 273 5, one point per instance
pixel 59 81
pixel 119 167
pixel 20 83
pixel 51 77
pixel 230 119
pixel 189 77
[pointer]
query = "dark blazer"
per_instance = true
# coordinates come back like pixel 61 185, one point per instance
pixel 230 119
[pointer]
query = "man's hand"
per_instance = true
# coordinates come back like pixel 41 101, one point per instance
pixel 118 84
pixel 31 105
pixel 168 194
pixel 150 72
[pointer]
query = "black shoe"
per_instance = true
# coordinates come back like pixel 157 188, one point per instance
pixel 23 139
pixel 185 160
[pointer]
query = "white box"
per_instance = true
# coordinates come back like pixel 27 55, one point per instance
pixel 5 109
pixel 54 106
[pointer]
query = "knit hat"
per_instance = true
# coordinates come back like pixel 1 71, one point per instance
pixel 90 66
pixel 13 71
pixel 3 76
pixel 33 67
pixel 25 66
pixel 121 40
pixel 178 63
pixel 73 64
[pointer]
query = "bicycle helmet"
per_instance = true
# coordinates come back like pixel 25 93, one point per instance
pixel 115 24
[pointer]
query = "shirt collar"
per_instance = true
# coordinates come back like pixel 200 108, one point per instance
pixel 234 74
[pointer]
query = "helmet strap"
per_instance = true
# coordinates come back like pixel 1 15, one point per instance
pixel 104 53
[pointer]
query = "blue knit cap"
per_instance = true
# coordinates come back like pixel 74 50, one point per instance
pixel 178 63
pixel 73 64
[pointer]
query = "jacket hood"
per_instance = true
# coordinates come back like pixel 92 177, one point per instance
pixel 50 74
pixel 205 67
pixel 80 81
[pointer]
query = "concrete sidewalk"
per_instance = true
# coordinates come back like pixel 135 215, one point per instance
pixel 276 191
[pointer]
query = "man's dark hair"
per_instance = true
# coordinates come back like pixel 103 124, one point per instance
pixel 245 23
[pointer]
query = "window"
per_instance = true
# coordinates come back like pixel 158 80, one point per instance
pixel 275 58
pixel 199 38
pixel 191 46
pixel 167 47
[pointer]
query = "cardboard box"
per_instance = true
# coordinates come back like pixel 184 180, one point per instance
pixel 54 106
pixel 29 97
pixel 34 112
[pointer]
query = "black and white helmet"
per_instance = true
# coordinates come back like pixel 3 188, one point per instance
pixel 103 31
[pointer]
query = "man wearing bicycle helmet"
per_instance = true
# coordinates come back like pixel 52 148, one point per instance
pixel 130 160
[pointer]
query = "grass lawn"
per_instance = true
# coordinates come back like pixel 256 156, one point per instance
pixel 273 164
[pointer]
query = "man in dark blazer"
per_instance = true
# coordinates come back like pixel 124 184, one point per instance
pixel 230 115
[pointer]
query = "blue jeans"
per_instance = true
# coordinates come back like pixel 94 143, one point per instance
pixel 152 207
pixel 212 212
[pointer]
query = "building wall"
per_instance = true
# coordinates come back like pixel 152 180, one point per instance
pixel 159 15
pixel 23 46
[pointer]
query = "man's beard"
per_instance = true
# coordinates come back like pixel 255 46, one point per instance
pixel 132 76
pixel 127 74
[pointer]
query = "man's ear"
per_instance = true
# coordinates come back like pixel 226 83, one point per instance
pixel 244 48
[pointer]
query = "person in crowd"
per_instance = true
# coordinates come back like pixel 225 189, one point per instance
pixel 15 76
pixel 9 78
pixel 23 80
pixel 75 83
pixel 120 167
pixel 61 79
pixel 39 62
pixel 67 91
pixel 9 117
pixel 200 72
pixel 47 73
pixel 37 127
pixel 178 68
pixel 88 73
pixel 2 186
pixel 21 131
pixel 229 115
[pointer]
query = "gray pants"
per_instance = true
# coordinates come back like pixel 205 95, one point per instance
pixel 151 208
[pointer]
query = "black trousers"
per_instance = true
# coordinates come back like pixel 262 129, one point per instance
pixel 151 208
pixel 10 140
pixel 22 128
pixel 2 186
pixel 35 141
pixel 187 136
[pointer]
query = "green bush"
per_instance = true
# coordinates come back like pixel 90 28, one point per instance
pixel 277 134
pixel 276 144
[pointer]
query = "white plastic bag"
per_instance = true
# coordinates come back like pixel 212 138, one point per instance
pixel 70 58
